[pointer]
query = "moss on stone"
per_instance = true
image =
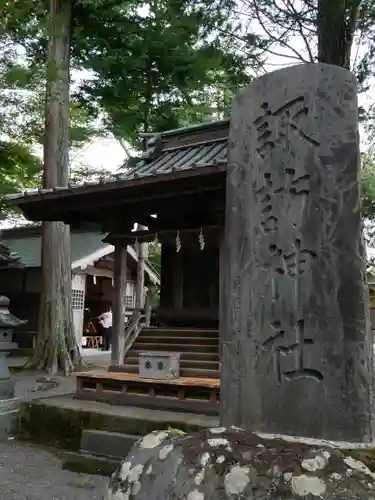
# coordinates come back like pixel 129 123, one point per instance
pixel 232 463
pixel 367 456
pixel 51 426
pixel 176 432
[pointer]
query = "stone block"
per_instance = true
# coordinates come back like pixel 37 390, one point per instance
pixel 159 365
pixel 7 387
pixel 84 463
pixel 107 444
pixel 9 414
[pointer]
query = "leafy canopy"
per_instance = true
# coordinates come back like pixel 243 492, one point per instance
pixel 147 65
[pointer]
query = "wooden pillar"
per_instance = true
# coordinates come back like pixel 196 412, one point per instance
pixel 178 278
pixel 140 283
pixel 118 305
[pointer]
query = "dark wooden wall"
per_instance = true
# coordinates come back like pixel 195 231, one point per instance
pixel 189 294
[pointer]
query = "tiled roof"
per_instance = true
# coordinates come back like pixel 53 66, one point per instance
pixel 182 158
pixel 159 158
pixel 28 248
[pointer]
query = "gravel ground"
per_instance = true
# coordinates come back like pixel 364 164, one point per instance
pixel 31 473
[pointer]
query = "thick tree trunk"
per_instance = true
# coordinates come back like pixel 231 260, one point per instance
pixel 336 24
pixel 56 339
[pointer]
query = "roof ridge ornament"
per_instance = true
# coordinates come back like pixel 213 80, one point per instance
pixel 153 147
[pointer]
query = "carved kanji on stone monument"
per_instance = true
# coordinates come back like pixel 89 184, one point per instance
pixel 285 185
pixel 295 331
pixel 273 127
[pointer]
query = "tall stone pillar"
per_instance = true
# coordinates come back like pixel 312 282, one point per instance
pixel 296 340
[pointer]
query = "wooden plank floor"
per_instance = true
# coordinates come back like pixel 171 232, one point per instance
pixel 133 377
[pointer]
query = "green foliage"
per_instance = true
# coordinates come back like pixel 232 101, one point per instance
pixel 176 432
pixel 19 169
pixel 154 255
pixel 151 65
pixel 157 65
pixel 89 174
pixel 22 102
pixel 368 205
pixel 155 298
pixel 368 186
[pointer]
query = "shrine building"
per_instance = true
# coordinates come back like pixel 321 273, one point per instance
pixel 176 192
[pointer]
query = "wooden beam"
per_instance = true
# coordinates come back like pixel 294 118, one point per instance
pixel 195 175
pixel 181 220
pixel 118 304
pixel 96 271
pixel 205 212
pixel 132 207
pixel 178 281
pixel 142 236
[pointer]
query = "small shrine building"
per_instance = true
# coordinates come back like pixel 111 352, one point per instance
pixel 176 191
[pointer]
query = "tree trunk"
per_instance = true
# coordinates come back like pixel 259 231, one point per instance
pixel 336 23
pixel 56 340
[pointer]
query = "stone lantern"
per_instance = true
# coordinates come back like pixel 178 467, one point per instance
pixel 8 402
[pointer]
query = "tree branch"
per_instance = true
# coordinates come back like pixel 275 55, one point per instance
pixel 258 12
pixel 289 5
pixel 122 144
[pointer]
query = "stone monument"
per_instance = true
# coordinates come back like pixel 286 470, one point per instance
pixel 297 354
pixel 8 402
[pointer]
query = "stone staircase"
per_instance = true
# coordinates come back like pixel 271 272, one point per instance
pixel 94 437
pixel 198 348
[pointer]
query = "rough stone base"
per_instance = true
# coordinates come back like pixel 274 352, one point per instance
pixel 7 387
pixel 223 464
pixel 9 414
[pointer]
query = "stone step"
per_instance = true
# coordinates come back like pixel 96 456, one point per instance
pixel 171 339
pixel 59 421
pixel 184 356
pixel 170 346
pixel 85 463
pixel 181 332
pixel 108 444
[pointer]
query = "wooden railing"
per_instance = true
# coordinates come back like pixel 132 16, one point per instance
pixel 139 319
